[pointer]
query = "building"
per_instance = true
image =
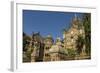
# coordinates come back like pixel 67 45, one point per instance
pixel 45 49
pixel 57 52
pixel 37 48
pixel 70 35
pixel 48 41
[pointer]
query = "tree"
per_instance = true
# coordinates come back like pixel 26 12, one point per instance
pixel 87 27
pixel 26 41
pixel 26 53
pixel 79 44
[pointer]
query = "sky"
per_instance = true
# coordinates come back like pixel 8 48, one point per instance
pixel 47 22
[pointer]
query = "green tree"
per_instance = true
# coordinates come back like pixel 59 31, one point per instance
pixel 87 27
pixel 79 45
pixel 26 41
pixel 26 53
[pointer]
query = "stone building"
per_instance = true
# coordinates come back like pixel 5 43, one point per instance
pixel 71 35
pixel 45 49
pixel 48 41
pixel 37 47
pixel 57 52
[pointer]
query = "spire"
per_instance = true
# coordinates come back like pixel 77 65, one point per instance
pixel 75 21
pixel 75 16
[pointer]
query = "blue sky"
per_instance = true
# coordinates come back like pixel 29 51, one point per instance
pixel 47 22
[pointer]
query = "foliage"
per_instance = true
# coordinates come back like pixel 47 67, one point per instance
pixel 71 52
pixel 26 51
pixel 26 41
pixel 79 44
pixel 26 56
pixel 87 28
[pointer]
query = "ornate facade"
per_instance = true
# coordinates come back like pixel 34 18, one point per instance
pixel 45 49
pixel 70 36
pixel 57 52
pixel 48 41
